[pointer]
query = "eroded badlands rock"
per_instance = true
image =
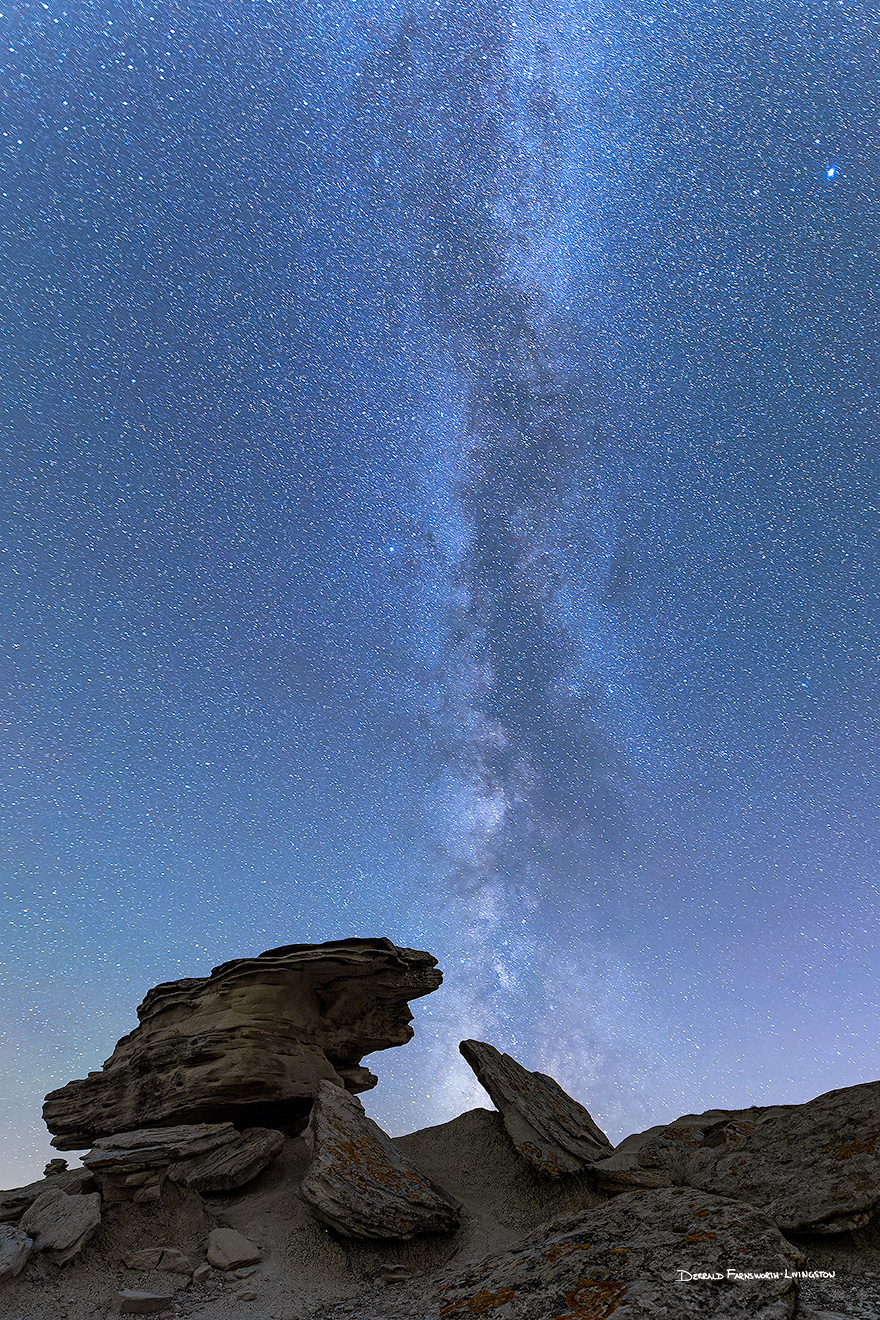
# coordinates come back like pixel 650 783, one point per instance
pixel 630 1258
pixel 548 1128
pixel 250 1043
pixel 359 1182
pixel 811 1168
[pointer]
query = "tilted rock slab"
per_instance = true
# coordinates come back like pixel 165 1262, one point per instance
pixel 548 1128
pixel 359 1182
pixel 227 1249
pixel 230 1166
pixel 250 1043
pixel 62 1224
pixel 811 1168
pixel 629 1259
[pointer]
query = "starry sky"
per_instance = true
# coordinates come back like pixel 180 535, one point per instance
pixel 440 500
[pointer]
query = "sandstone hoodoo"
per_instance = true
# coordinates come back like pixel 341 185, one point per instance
pixel 548 1128
pixel 251 1043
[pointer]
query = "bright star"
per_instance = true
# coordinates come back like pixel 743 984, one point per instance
pixel 830 172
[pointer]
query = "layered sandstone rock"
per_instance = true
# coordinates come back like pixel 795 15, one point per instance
pixel 811 1168
pixel 548 1128
pixel 658 1255
pixel 60 1224
pixel 360 1184
pixel 250 1043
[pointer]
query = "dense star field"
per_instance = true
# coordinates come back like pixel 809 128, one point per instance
pixel 440 500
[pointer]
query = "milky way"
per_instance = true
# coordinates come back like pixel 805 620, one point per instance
pixel 441 470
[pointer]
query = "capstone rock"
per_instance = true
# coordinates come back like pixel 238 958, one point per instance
pixel 15 1250
pixel 250 1043
pixel 62 1224
pixel 548 1128
pixel 811 1168
pixel 360 1184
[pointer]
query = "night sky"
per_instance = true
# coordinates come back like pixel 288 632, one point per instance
pixel 440 500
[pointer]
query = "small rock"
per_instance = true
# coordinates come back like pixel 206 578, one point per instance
pixel 62 1224
pixel 229 1250
pixel 392 1274
pixel 201 1273
pixel 548 1128
pixel 245 1295
pixel 129 1302
pixel 145 1194
pixel 359 1182
pixel 246 1274
pixel 146 1259
pixel 53 1167
pixel 15 1248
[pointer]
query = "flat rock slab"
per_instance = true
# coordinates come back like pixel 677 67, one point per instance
pixel 230 1166
pixel 127 1301
pixel 62 1224
pixel 548 1128
pixel 160 1258
pixel 360 1184
pixel 250 1043
pixel 228 1249
pixel 812 1168
pixel 14 1202
pixel 639 1257
pixel 15 1250
pixel 151 1148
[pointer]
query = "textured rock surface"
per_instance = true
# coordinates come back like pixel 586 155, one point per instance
pixel 62 1224
pixel 233 1165
pixel 810 1168
pixel 250 1042
pixel 15 1248
pixel 14 1202
pixel 152 1148
pixel 227 1249
pixel 548 1128
pixel 360 1184
pixel 622 1259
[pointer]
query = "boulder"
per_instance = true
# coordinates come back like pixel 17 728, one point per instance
pixel 15 1250
pixel 251 1042
pixel 232 1165
pixel 228 1249
pixel 811 1168
pixel 360 1184
pixel 62 1224
pixel 670 1254
pixel 13 1203
pixel 548 1128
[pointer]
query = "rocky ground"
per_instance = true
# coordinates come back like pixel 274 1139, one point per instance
pixel 502 1261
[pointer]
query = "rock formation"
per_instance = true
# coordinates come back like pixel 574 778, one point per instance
pixel 810 1168
pixel 548 1128
pixel 209 1157
pixel 61 1224
pixel 251 1042
pixel 360 1184
pixel 628 1255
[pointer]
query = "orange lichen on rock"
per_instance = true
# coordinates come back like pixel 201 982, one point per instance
pixel 594 1299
